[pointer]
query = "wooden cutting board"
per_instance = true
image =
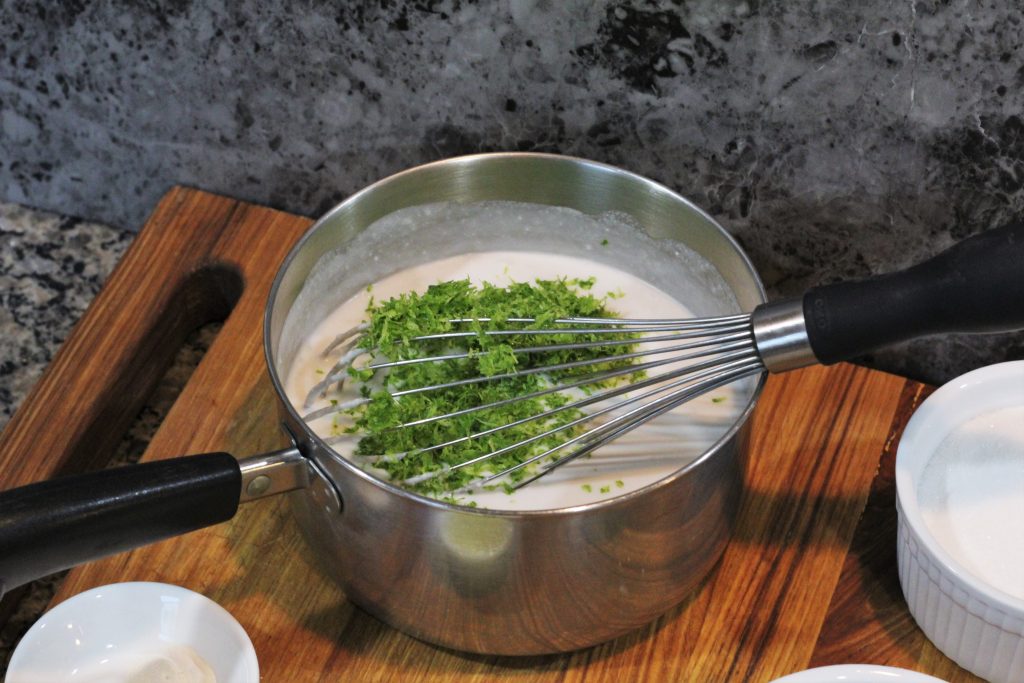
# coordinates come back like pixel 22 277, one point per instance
pixel 809 579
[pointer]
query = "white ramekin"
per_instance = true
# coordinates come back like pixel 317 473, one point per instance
pixel 978 626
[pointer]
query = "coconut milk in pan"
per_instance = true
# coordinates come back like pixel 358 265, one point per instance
pixel 637 282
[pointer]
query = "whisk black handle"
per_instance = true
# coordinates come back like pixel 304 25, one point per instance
pixel 977 285
pixel 53 525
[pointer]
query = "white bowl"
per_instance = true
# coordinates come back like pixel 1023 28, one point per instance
pixel 975 624
pixel 107 633
pixel 857 673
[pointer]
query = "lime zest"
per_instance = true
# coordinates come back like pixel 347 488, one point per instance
pixel 392 326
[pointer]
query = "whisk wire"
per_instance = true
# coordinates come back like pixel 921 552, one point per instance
pixel 583 320
pixel 598 436
pixel 686 331
pixel 711 353
pixel 742 343
pixel 581 420
pixel 711 346
pixel 688 371
pixel 591 379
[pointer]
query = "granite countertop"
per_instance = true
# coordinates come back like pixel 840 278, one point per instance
pixel 51 267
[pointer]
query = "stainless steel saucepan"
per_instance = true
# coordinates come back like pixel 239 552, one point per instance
pixel 485 581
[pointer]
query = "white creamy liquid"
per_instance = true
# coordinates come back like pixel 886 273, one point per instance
pixel 637 459
pixel 971 495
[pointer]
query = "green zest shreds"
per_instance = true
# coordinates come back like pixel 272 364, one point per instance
pixel 393 323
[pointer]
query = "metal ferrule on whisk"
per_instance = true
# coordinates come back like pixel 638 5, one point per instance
pixel 780 335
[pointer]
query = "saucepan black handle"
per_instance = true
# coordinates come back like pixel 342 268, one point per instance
pixel 976 285
pixel 53 525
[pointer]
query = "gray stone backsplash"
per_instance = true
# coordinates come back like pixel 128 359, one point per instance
pixel 833 139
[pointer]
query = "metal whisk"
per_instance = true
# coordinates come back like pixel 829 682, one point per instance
pixel 975 286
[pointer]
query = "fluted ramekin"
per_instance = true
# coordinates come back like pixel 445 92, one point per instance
pixel 975 624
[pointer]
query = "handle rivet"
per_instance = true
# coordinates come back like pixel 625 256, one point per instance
pixel 258 485
pixel 325 496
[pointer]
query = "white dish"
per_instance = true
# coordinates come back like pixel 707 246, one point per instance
pixel 975 624
pixel 115 630
pixel 857 673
